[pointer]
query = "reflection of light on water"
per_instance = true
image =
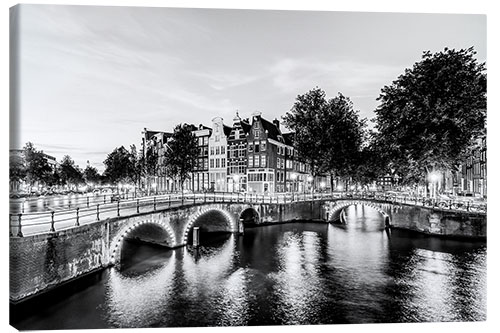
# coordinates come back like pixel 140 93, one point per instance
pixel 233 304
pixel 209 268
pixel 298 284
pixel 134 301
pixel 440 286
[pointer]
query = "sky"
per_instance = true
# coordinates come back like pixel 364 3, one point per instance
pixel 91 78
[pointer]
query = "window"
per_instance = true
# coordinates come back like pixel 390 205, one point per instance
pixel 217 138
pixel 205 163
pixel 222 150
pixel 211 163
pixel 263 145
pixel 223 163
pixel 250 148
pixel 236 134
pixel 211 150
pixel 217 163
pixel 256 161
pixel 263 161
pixel 256 133
pixel 257 147
pixel 278 162
pixel 217 150
pixel 250 162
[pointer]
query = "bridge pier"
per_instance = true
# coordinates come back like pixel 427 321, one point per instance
pixel 196 236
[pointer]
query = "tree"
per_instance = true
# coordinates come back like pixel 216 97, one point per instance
pixel 70 173
pixel 430 115
pixel 328 133
pixel 304 119
pixel 119 166
pixel 37 167
pixel 91 175
pixel 138 166
pixel 17 170
pixel 180 157
pixel 342 138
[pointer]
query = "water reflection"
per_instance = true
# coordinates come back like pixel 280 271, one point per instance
pixel 298 284
pixel 133 293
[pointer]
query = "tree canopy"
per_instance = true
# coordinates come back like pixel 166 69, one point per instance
pixel 119 166
pixel 180 156
pixel 328 133
pixel 37 167
pixel 432 112
pixel 70 173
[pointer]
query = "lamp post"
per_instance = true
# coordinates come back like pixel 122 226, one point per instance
pixel 236 183
pixel 433 179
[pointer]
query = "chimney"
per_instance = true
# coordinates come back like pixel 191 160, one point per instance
pixel 276 123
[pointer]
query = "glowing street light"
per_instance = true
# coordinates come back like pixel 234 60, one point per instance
pixel 434 178
pixel 236 181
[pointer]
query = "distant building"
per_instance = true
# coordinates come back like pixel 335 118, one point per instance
pixel 217 144
pixel 237 155
pixel 200 180
pixel 473 171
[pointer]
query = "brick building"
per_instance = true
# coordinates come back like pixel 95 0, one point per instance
pixel 237 155
pixel 217 144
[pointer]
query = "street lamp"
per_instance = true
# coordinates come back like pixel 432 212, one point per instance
pixel 434 179
pixel 236 184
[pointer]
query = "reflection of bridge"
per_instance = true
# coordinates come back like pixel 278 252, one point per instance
pixel 53 248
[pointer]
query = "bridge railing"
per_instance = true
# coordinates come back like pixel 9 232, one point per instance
pixel 42 222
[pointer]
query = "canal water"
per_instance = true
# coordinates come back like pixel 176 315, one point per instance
pixel 295 273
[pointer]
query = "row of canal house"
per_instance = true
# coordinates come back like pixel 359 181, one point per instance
pixel 252 155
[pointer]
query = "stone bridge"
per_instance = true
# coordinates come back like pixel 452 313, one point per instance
pixel 39 262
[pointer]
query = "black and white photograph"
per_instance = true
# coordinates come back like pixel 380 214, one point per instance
pixel 174 167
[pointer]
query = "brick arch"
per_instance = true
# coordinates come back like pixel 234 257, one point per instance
pixel 117 242
pixel 247 209
pixel 338 207
pixel 232 223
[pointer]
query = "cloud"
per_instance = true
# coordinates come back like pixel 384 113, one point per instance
pixel 291 75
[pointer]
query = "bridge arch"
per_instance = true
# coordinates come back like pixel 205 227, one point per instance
pixel 166 233
pixel 339 206
pixel 231 225
pixel 249 215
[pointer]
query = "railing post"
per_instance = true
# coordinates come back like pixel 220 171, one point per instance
pixel 194 198
pixel 468 205
pixel 182 198
pixel 118 208
pixel 97 212
pixel 169 201
pixel 105 198
pixel 19 226
pixel 52 229
pixel 245 197
pixel 10 225
pixel 154 204
pixel 77 216
pixel 205 197
pixel 137 205
pixel 87 202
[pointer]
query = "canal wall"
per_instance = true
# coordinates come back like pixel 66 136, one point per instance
pixel 439 222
